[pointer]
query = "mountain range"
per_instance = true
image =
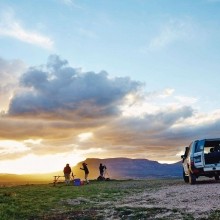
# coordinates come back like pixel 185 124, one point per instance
pixel 117 168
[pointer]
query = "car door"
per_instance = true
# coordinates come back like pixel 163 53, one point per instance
pixel 198 156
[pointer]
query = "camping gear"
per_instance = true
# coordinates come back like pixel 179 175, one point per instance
pixel 101 178
pixel 77 182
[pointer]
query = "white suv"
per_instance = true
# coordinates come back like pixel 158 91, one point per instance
pixel 201 158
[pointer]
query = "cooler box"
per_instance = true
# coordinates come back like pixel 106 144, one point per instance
pixel 77 182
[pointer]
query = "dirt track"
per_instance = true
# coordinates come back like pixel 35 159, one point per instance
pixel 197 200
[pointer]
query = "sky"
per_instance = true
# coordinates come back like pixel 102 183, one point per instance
pixel 101 79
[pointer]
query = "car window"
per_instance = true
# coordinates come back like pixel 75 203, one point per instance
pixel 212 145
pixel 199 146
pixel 208 149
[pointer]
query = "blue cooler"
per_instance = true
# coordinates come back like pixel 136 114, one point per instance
pixel 77 182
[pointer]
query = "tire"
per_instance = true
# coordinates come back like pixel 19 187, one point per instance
pixel 192 179
pixel 186 178
pixel 216 177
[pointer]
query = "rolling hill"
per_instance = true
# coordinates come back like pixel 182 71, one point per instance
pixel 124 168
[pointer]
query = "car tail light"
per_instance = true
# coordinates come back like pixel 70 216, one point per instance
pixel 195 170
pixel 192 166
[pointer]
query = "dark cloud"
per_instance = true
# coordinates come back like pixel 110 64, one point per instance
pixel 153 130
pixel 23 128
pixel 58 87
pixel 149 137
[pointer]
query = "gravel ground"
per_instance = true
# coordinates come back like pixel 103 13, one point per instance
pixel 197 200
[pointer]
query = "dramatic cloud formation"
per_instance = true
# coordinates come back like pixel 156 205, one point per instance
pixel 61 110
pixel 61 89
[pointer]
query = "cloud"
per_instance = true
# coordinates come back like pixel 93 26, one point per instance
pixel 12 149
pixel 148 130
pixel 158 136
pixel 10 27
pixel 185 99
pixel 171 32
pixel 60 88
pixel 60 109
pixel 9 74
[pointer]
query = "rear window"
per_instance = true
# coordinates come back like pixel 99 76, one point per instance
pixel 207 146
pixel 212 145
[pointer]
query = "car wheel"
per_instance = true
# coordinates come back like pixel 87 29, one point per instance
pixel 216 177
pixel 192 178
pixel 186 178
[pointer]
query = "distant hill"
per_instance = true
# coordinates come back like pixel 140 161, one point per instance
pixel 117 168
pixel 12 179
pixel 124 168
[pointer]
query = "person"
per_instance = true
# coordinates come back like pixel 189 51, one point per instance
pixel 102 169
pixel 67 171
pixel 86 170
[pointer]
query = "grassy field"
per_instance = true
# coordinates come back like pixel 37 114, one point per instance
pixel 97 200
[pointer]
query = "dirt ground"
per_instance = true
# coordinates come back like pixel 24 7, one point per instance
pixel 198 200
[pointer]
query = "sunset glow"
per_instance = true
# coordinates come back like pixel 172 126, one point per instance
pixel 40 164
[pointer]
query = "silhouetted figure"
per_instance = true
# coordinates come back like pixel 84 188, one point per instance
pixel 86 170
pixel 67 171
pixel 102 169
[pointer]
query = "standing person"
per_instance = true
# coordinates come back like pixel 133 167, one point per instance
pixel 67 171
pixel 102 169
pixel 86 170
